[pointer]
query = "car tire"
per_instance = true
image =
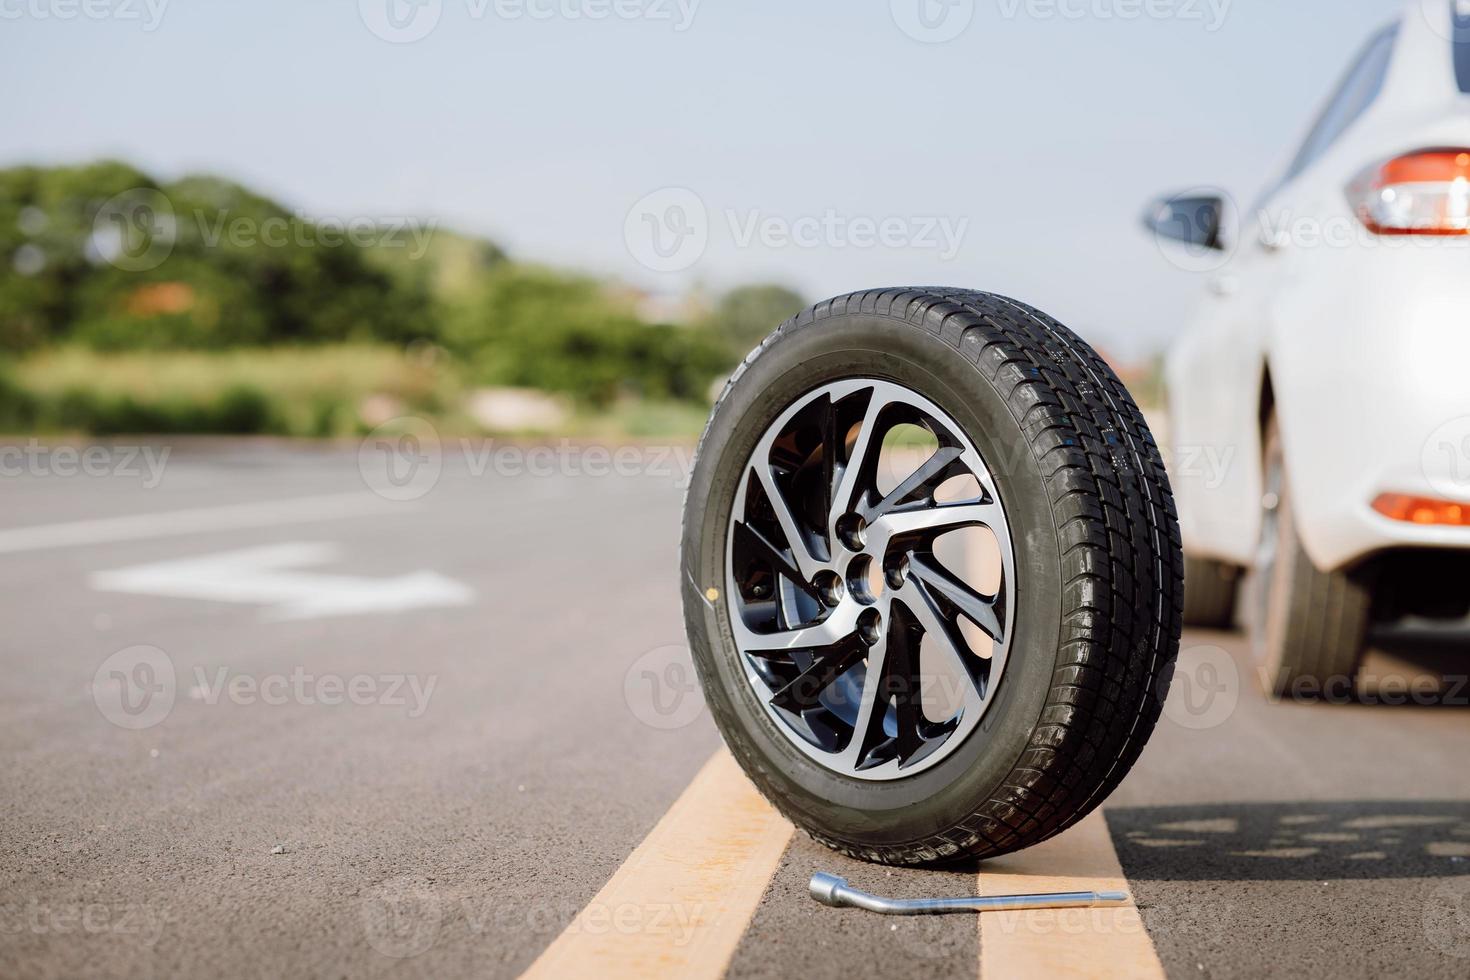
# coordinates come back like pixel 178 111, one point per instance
pixel 1209 593
pixel 1094 611
pixel 1307 626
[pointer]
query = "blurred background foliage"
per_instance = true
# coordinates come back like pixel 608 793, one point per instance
pixel 197 305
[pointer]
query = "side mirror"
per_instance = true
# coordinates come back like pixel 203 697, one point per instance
pixel 1193 220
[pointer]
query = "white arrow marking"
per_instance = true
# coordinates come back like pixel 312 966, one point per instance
pixel 263 576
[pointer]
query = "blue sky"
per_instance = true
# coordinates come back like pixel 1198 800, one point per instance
pixel 1035 134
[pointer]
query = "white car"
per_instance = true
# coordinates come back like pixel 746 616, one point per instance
pixel 1319 401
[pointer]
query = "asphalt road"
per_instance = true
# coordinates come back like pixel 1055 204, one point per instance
pixel 416 736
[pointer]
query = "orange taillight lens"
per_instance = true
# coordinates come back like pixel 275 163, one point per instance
pixel 1424 193
pixel 1422 510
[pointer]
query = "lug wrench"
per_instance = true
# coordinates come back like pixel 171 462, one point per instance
pixel 834 891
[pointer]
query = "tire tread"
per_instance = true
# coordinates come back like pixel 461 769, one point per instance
pixel 1122 569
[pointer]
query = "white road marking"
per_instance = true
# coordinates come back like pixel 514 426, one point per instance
pixel 136 527
pixel 265 576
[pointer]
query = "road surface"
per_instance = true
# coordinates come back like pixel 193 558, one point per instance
pixel 272 710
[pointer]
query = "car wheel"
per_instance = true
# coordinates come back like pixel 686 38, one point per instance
pixel 1209 593
pixel 1307 627
pixel 902 700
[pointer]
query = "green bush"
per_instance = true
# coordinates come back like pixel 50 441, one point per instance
pixel 314 391
pixel 231 267
pixel 538 328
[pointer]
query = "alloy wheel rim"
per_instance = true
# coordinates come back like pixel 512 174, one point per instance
pixel 844 619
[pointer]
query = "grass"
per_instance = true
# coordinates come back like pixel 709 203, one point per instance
pixel 315 391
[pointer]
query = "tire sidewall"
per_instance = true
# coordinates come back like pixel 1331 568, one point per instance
pixel 939 798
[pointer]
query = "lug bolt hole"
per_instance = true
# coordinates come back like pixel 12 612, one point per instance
pixel 870 626
pixel 864 580
pixel 852 530
pixel 897 573
pixel 829 586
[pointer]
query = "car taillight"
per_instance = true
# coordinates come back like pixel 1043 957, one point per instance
pixel 1424 193
pixel 1422 510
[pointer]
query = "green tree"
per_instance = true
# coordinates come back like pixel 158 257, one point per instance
pixel 539 328
pixel 745 314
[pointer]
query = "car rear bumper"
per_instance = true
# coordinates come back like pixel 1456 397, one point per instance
pixel 1373 396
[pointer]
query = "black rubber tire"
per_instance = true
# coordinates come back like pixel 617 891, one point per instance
pixel 1099 572
pixel 1308 627
pixel 1209 593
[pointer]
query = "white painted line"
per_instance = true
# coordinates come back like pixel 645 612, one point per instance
pixel 270 576
pixel 1102 942
pixel 136 527
pixel 680 903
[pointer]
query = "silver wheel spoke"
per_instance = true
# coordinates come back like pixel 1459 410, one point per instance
pixel 842 498
pixel 932 469
pixel 806 564
pixel 836 626
pixel 835 653
pixel 981 611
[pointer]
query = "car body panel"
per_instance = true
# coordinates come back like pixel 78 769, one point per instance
pixel 1365 341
